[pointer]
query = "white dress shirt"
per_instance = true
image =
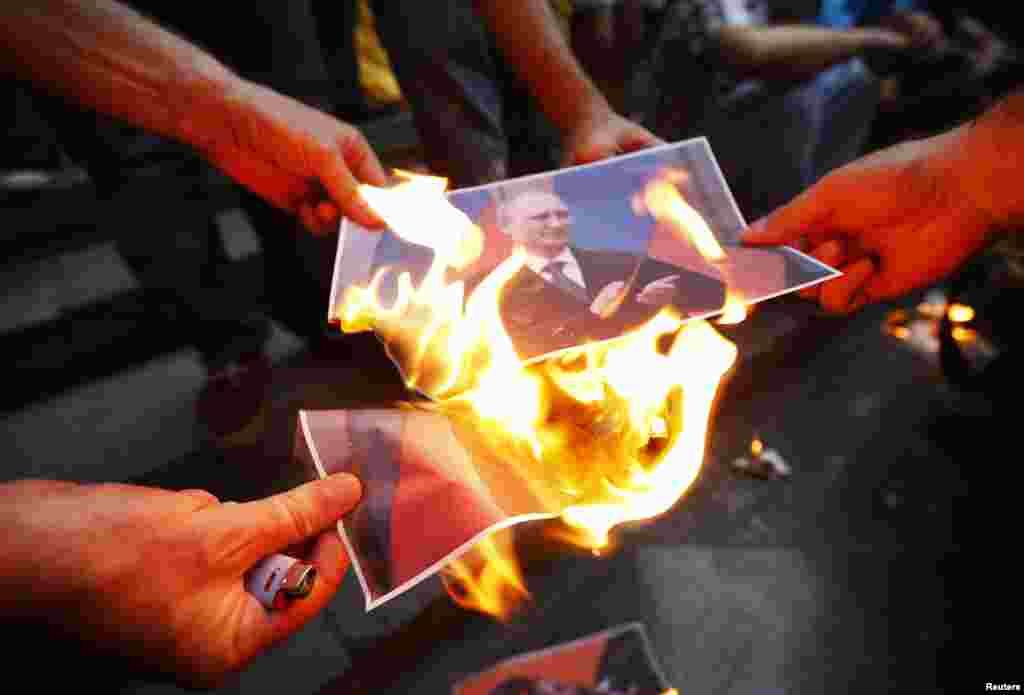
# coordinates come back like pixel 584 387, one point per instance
pixel 571 268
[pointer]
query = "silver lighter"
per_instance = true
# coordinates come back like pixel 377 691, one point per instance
pixel 279 578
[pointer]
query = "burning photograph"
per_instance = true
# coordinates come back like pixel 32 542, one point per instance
pixel 614 662
pixel 597 249
pixel 556 326
pixel 594 437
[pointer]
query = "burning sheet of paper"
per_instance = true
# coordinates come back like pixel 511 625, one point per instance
pixel 608 427
pixel 614 662
pixel 597 250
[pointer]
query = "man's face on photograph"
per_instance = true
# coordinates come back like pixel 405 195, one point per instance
pixel 541 223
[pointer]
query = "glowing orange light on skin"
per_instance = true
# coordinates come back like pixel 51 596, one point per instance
pixel 487 579
pixel 405 207
pixel 598 433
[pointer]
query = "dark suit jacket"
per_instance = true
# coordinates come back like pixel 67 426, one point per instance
pixel 542 318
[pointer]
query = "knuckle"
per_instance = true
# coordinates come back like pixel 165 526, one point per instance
pixel 199 499
pixel 292 514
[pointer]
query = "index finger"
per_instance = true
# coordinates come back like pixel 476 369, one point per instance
pixel 343 187
pixel 808 214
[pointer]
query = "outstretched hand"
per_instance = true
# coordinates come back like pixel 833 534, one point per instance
pixel 156 577
pixel 300 159
pixel 892 222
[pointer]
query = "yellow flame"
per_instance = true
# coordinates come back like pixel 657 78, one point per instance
pixel 598 434
pixel 663 201
pixel 735 309
pixel 960 313
pixel 756 447
pixel 406 205
pixel 698 359
pixel 964 335
pixel 487 578
pixel 666 204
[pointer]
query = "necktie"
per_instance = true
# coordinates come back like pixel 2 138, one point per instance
pixel 555 271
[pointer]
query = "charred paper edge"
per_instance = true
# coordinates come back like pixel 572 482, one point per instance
pixel 608 633
pixel 430 570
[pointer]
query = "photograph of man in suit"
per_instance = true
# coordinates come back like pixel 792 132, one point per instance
pixel 565 294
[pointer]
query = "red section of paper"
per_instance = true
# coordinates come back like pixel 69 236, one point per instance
pixel 440 502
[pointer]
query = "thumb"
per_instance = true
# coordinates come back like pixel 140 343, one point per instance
pixel 272 524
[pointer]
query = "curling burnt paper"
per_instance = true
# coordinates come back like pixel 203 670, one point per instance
pixel 618 661
pixel 607 244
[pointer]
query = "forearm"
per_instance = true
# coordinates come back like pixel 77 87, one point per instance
pixel 108 57
pixel 796 52
pixel 989 162
pixel 529 36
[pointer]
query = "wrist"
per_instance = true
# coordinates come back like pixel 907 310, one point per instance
pixel 991 148
pixel 212 97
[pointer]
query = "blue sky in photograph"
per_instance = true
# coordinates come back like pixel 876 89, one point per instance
pixel 599 199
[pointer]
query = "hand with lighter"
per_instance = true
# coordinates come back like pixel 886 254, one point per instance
pixel 278 578
pixel 166 582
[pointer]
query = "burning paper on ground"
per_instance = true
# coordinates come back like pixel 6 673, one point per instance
pixel 615 662
pixel 579 387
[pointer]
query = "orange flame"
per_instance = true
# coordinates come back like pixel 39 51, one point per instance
pixel 964 335
pixel 487 579
pixel 597 434
pixel 663 201
pixel 960 313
